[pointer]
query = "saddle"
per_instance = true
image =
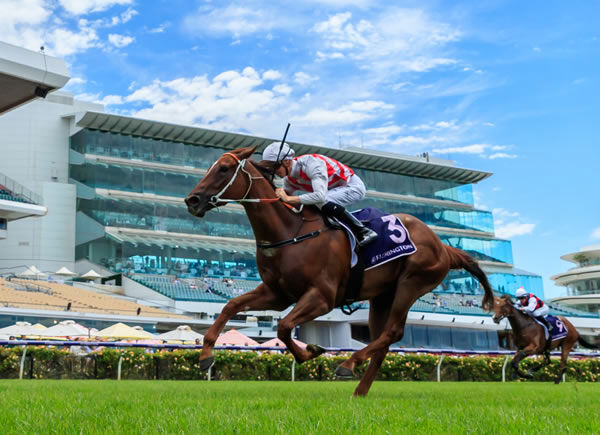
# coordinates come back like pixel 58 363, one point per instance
pixel 393 242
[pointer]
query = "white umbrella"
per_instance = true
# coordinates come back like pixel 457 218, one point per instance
pixel 32 271
pixel 67 328
pixel 63 271
pixel 18 329
pixel 182 333
pixel 91 274
pixel 122 331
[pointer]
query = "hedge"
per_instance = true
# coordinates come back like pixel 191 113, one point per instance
pixel 53 363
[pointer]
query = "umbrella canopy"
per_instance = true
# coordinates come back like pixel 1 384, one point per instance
pixel 19 329
pixel 38 326
pixel 122 331
pixel 276 342
pixel 31 272
pixel 235 338
pixel 67 328
pixel 63 271
pixel 91 274
pixel 182 334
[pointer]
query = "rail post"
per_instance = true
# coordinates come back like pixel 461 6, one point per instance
pixel 119 367
pixel 293 369
pixel 504 369
pixel 22 362
pixel 439 368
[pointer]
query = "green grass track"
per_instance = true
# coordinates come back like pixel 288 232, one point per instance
pixel 105 406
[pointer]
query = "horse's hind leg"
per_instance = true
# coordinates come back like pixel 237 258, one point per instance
pixel 379 311
pixel 564 355
pixel 394 327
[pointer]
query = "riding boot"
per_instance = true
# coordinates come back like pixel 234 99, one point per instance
pixel 363 234
pixel 547 324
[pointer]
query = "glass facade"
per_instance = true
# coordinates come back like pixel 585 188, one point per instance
pixel 584 287
pixel 438 337
pixel 198 156
pixel 159 215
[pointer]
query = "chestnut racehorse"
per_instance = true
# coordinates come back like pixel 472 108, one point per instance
pixel 312 272
pixel 530 338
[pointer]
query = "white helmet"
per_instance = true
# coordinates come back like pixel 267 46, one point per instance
pixel 272 151
pixel 520 292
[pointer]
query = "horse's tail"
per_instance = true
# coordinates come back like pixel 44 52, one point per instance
pixel 461 260
pixel 586 344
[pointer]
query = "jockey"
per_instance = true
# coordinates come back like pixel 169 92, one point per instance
pixel 330 185
pixel 532 305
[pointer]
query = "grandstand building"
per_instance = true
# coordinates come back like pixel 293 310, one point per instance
pixel 582 281
pixel 114 186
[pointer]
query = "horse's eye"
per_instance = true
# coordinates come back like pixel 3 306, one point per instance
pixel 223 169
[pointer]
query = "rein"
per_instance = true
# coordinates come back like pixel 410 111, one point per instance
pixel 217 198
pixel 241 163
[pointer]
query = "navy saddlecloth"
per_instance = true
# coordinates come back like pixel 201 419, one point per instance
pixel 393 241
pixel 559 330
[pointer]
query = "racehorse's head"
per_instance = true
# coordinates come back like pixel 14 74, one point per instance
pixel 223 180
pixel 503 306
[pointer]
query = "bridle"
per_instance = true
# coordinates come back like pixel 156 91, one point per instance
pixel 215 199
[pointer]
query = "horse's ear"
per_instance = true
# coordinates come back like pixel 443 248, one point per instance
pixel 244 153
pixel 507 298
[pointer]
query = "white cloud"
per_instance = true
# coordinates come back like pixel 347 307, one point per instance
pixel 80 7
pixel 271 75
pixel 479 149
pixel 304 79
pixel 77 81
pixel 508 224
pixel 234 20
pixel 120 41
pixel 160 28
pixel 468 149
pixel 64 42
pixel 399 40
pixel 513 229
pixel 347 114
pixel 596 233
pixel 282 89
pixel 502 156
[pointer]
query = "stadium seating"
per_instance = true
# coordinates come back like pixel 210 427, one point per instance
pixel 55 296
pixel 179 289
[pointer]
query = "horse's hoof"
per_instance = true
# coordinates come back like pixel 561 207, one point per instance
pixel 557 381
pixel 343 372
pixel 207 363
pixel 315 349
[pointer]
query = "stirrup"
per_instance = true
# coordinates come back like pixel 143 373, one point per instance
pixel 366 237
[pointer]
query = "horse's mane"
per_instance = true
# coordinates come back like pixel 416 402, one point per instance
pixel 265 168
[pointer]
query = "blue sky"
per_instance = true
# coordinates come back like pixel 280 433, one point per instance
pixel 509 87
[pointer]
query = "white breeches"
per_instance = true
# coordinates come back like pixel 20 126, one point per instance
pixel 542 311
pixel 353 191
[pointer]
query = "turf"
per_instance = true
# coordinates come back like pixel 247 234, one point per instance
pixel 65 406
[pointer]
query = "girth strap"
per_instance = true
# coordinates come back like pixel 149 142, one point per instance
pixel 289 241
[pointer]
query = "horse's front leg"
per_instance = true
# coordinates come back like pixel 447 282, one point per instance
pixel 520 355
pixel 311 305
pixel 261 298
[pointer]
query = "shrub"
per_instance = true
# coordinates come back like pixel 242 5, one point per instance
pixel 54 363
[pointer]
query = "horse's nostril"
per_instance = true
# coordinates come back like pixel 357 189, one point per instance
pixel 192 200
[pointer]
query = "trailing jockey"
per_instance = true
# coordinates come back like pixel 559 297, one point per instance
pixel 534 306
pixel 329 185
